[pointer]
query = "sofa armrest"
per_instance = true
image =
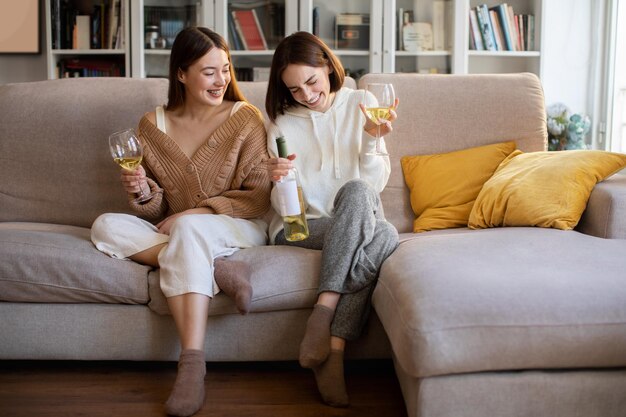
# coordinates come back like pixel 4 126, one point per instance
pixel 605 215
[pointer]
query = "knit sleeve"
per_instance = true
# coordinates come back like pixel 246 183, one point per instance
pixel 155 208
pixel 249 193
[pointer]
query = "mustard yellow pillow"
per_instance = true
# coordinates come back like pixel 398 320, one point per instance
pixel 444 186
pixel 545 189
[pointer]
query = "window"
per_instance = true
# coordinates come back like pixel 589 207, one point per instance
pixel 616 97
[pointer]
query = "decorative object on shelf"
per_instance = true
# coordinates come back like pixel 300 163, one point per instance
pixel 152 34
pixel 566 131
pixel 352 31
pixel 417 36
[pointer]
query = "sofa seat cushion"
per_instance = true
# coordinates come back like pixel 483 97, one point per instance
pixel 48 263
pixel 504 299
pixel 283 278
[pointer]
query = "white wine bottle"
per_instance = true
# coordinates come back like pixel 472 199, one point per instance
pixel 291 200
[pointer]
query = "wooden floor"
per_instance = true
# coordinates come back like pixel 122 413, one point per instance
pixel 276 389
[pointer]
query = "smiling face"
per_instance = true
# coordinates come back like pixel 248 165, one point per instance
pixel 309 86
pixel 206 79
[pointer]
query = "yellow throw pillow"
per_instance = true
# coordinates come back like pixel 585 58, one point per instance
pixel 545 189
pixel 444 186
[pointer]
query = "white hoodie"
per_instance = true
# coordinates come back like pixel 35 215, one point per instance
pixel 330 150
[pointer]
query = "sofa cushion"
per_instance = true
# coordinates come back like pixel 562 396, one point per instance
pixel 485 109
pixel 504 299
pixel 283 278
pixel 48 263
pixel 444 186
pixel 546 189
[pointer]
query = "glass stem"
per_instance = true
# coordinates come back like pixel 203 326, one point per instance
pixel 378 139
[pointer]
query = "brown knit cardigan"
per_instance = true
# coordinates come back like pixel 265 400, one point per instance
pixel 227 174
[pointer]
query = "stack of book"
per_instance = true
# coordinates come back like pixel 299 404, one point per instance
pixel 74 28
pixel 89 67
pixel 245 31
pixel 498 28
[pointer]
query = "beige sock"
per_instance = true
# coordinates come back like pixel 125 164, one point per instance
pixel 233 277
pixel 330 380
pixel 187 396
pixel 315 345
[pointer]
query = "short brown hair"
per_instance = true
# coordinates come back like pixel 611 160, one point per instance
pixel 301 48
pixel 191 44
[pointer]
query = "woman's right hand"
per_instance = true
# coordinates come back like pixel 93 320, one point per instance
pixel 279 167
pixel 133 180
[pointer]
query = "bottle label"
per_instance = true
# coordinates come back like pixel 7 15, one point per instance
pixel 288 198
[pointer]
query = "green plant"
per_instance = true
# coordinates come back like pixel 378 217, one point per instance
pixel 566 131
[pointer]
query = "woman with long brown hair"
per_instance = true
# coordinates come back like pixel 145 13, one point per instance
pixel 325 125
pixel 204 162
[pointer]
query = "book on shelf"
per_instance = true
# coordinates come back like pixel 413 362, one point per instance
pixel 519 27
pixel 82 32
pixel 119 38
pixel 404 17
pixel 316 21
pixel 399 25
pixel 530 45
pixel 475 33
pixel 55 23
pixel 502 25
pixel 97 21
pixel 233 36
pixel 89 67
pixel 252 73
pixel 113 20
pixel 439 23
pixel 497 30
pixel 260 73
pixel 515 44
pixel 484 22
pixel 510 31
pixel 249 29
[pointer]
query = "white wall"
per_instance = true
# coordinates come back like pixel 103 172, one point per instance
pixel 567 53
pixel 21 68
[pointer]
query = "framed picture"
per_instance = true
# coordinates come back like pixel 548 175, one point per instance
pixel 20 27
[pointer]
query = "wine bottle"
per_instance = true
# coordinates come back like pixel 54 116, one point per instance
pixel 291 200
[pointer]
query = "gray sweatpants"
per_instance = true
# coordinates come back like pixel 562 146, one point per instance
pixel 354 244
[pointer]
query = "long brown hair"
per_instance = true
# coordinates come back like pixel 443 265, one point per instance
pixel 191 44
pixel 301 48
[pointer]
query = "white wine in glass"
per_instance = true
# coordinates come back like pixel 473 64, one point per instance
pixel 378 103
pixel 128 153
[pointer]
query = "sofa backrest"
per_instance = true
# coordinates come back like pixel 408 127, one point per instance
pixel 444 113
pixel 56 166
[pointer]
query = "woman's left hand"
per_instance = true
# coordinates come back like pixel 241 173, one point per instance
pixel 385 125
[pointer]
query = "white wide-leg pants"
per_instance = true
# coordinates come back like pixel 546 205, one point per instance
pixel 195 240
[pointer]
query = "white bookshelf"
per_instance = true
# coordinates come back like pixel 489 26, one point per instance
pixel 381 55
pixel 55 55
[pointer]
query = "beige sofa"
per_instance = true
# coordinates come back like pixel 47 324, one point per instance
pixel 503 322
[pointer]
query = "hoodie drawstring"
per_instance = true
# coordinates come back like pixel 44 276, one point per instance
pixel 318 141
pixel 336 146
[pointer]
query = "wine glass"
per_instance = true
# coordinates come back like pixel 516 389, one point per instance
pixel 128 153
pixel 378 103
